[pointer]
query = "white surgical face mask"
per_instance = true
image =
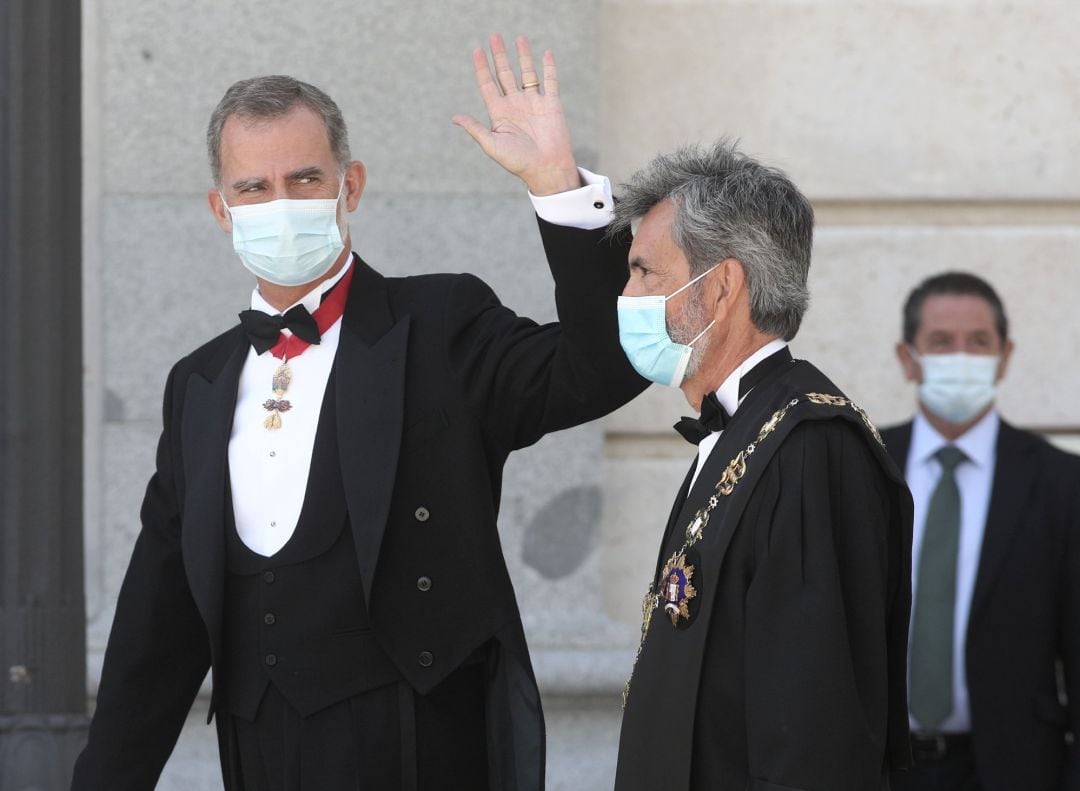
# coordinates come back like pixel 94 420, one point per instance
pixel 645 339
pixel 957 387
pixel 288 242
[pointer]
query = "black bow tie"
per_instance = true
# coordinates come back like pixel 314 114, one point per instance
pixel 713 415
pixel 713 418
pixel 263 329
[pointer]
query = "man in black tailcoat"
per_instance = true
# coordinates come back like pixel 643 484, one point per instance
pixel 775 628
pixel 995 636
pixel 320 531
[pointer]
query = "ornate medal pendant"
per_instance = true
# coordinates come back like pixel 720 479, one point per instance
pixel 676 589
pixel 276 406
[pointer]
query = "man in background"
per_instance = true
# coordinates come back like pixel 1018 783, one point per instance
pixel 995 635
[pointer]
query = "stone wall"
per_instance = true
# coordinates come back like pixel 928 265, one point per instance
pixel 929 136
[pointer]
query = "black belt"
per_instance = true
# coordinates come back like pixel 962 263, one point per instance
pixel 929 747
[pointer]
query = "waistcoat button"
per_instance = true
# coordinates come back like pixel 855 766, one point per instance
pixel 271 660
pixel 268 577
pixel 269 619
pixel 424 583
pixel 422 514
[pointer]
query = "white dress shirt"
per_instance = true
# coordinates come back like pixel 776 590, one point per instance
pixel 974 478
pixel 268 470
pixel 588 207
pixel 728 396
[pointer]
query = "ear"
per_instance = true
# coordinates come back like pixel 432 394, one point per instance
pixel 724 287
pixel 355 180
pixel 1006 355
pixel 912 369
pixel 217 206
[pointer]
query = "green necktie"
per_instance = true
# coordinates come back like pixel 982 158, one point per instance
pixel 935 599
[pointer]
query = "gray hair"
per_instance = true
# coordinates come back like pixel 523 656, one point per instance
pixel 264 98
pixel 728 205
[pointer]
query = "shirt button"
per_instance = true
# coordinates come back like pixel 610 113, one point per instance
pixel 598 205
pixel 426 658
pixel 271 660
pixel 269 619
pixel 273 524
pixel 268 577
pixel 424 583
pixel 422 514
pixel 273 453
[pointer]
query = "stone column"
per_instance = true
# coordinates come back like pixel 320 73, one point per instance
pixel 42 612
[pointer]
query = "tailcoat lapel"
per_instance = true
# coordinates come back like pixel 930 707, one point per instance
pixel 370 369
pixel 209 404
pixel 370 365
pixel 1014 478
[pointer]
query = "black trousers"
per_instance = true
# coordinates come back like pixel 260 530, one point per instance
pixel 935 778
pixel 387 739
pixel 952 772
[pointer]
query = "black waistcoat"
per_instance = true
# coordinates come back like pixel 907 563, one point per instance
pixel 297 619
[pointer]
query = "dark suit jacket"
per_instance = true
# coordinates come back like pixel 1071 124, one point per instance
pixel 436 384
pixel 789 673
pixel 1025 615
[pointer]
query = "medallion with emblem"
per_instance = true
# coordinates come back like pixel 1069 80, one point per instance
pixel 677 588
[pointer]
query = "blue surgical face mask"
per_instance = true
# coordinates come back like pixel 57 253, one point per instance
pixel 644 337
pixel 957 387
pixel 288 242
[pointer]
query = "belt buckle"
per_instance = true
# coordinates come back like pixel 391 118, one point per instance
pixel 940 746
pixel 932 746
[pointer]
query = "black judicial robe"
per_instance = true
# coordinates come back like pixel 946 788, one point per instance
pixel 789 672
pixel 436 383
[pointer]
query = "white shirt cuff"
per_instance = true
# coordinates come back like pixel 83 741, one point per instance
pixel 586 207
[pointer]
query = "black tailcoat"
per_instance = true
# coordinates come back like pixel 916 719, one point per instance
pixel 1024 622
pixel 790 672
pixel 436 384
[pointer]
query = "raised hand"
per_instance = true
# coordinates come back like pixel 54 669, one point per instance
pixel 528 134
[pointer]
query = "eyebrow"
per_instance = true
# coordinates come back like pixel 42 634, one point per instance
pixel 304 173
pixel 242 184
pixel 256 181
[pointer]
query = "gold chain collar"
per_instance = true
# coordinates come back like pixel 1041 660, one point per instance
pixel 733 473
